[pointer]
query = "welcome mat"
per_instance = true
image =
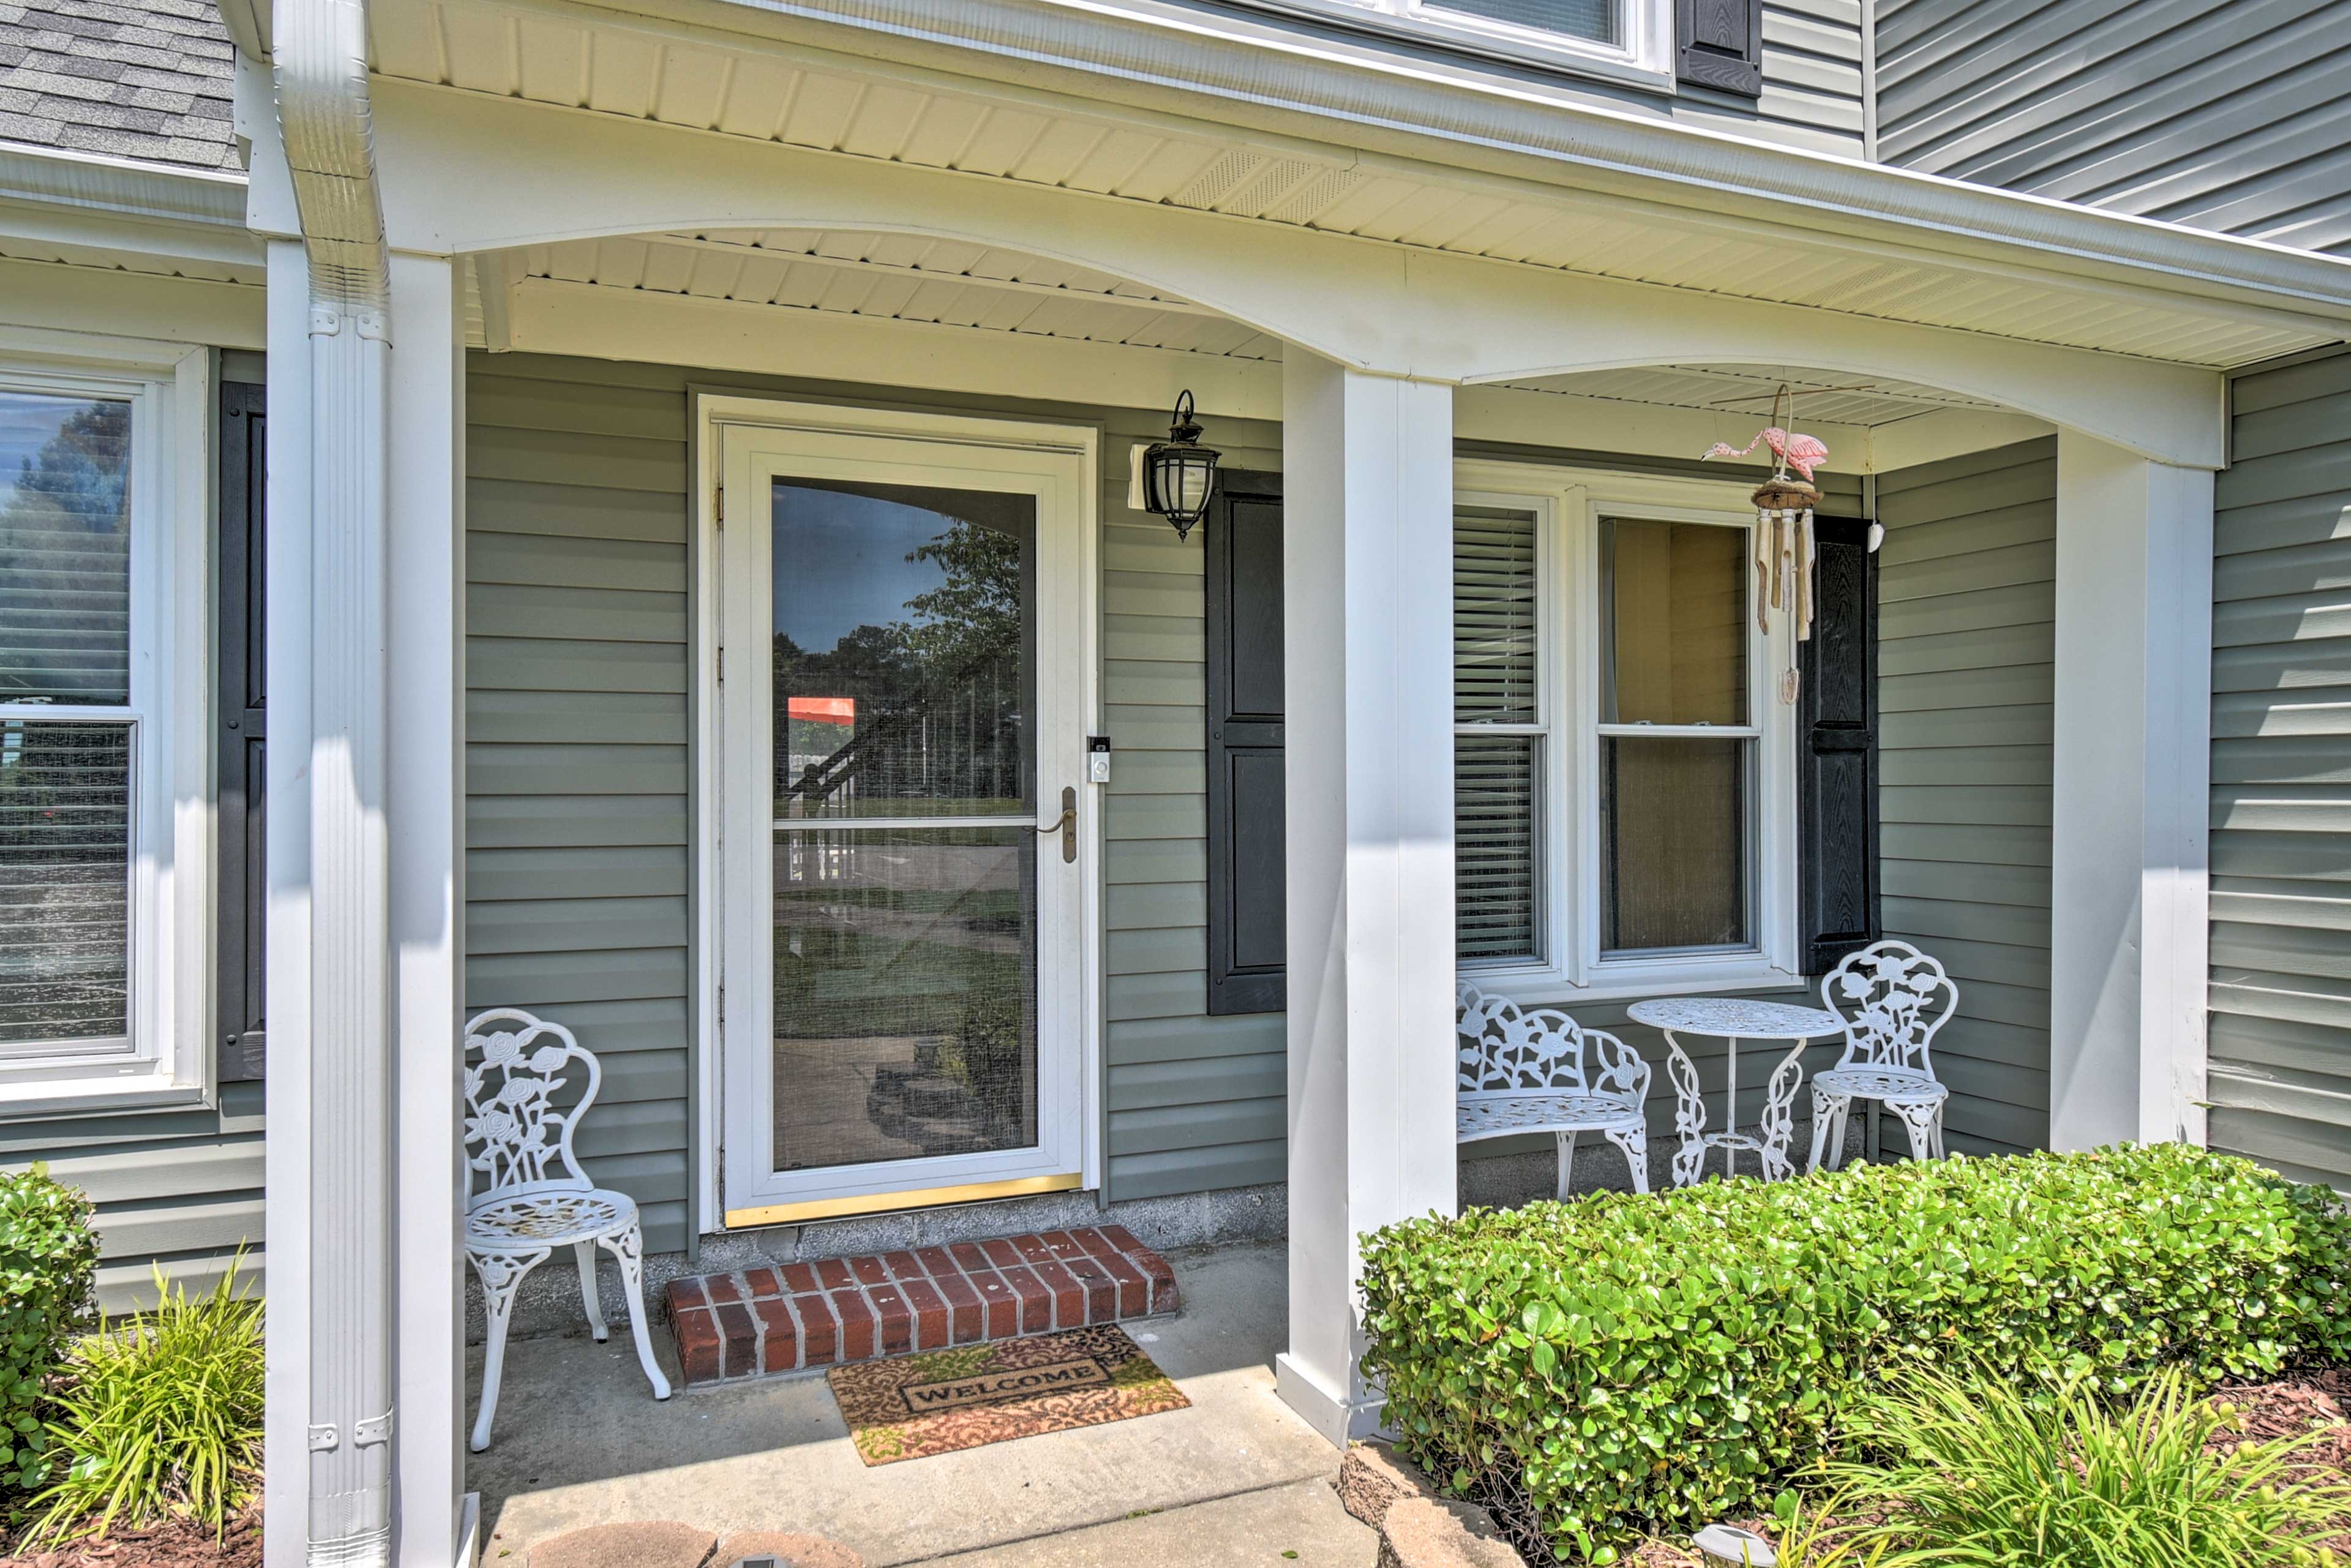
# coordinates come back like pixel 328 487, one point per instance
pixel 910 1406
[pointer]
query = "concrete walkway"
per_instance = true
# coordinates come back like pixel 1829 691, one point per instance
pixel 1236 1480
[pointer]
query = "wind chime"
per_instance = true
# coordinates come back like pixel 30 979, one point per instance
pixel 1783 530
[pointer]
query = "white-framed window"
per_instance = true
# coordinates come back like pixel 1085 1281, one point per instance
pixel 1623 769
pixel 1630 39
pixel 104 782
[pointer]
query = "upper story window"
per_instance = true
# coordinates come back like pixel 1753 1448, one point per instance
pixel 100 691
pixel 1626 38
pixel 1595 21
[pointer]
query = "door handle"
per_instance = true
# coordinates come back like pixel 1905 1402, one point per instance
pixel 1066 824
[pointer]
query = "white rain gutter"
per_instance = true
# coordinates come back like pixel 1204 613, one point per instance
pixel 1298 82
pixel 123 187
pixel 320 62
pixel 126 205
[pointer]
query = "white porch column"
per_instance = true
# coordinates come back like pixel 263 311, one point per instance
pixel 2130 841
pixel 1367 562
pixel 286 1151
pixel 425 704
pixel 365 1326
pixel 330 1417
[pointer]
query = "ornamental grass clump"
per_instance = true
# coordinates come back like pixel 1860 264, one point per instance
pixel 1602 1367
pixel 1973 1474
pixel 48 1264
pixel 159 1417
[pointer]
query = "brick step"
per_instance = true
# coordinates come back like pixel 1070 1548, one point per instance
pixel 791 1317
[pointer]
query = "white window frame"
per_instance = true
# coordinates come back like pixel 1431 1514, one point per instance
pixel 1570 505
pixel 1550 711
pixel 1644 57
pixel 164 1060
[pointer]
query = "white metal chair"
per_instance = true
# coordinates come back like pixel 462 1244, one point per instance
pixel 1893 999
pixel 515 1066
pixel 1535 1070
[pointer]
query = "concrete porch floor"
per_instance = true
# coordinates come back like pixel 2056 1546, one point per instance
pixel 1234 1479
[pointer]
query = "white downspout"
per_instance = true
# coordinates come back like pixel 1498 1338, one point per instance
pixel 320 62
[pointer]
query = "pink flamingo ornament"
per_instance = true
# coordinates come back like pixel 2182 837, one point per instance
pixel 1783 530
pixel 1801 453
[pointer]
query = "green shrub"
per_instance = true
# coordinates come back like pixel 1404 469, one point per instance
pixel 162 1416
pixel 49 1262
pixel 1592 1367
pixel 1976 1473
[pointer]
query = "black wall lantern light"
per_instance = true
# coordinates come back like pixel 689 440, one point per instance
pixel 1179 473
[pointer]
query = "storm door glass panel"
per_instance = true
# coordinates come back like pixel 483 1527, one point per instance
pixel 906 929
pixel 905 657
pixel 905 993
pixel 1677 746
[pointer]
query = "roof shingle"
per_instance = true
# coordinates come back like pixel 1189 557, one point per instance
pixel 135 79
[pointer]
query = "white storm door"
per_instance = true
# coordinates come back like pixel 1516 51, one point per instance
pixel 905 634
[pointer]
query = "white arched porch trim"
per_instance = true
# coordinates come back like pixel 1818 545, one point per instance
pixel 463 173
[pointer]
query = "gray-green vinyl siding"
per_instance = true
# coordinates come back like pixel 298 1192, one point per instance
pixel 578 778
pixel 2279 1084
pixel 1811 80
pixel 2232 115
pixel 1967 611
pixel 179 1189
pixel 1194 1102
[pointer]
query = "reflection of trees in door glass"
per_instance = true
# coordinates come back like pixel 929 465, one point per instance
pixel 905 993
pixel 921 713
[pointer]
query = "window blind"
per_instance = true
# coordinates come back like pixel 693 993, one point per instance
pixel 1497 773
pixel 65 870
pixel 1497 813
pixel 65 538
pixel 1494 622
pixel 1594 19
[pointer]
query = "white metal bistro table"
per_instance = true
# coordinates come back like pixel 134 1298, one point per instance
pixel 1731 1019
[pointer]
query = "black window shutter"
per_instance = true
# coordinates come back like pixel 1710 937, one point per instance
pixel 1720 44
pixel 1836 751
pixel 1248 941
pixel 243 730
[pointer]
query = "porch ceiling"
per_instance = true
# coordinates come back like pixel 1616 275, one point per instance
pixel 1822 397
pixel 899 277
pixel 762 89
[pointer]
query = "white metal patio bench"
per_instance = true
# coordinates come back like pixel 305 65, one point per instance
pixel 515 1066
pixel 1893 999
pixel 1536 1069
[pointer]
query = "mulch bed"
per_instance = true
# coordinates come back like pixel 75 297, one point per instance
pixel 2291 1407
pixel 2295 1405
pixel 176 1543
